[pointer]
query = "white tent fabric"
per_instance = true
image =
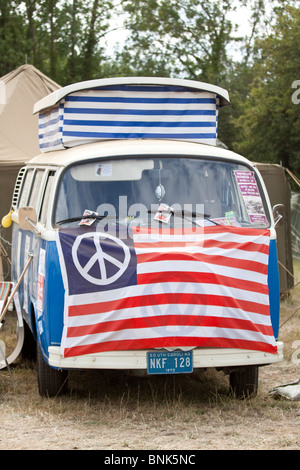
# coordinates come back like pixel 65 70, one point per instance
pixel 19 142
pixel 19 91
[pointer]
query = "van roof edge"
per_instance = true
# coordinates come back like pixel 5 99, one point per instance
pixel 53 98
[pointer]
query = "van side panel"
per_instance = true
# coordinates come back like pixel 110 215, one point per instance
pixel 274 291
pixel 51 322
pixel 22 243
pixel 41 292
pixel 55 293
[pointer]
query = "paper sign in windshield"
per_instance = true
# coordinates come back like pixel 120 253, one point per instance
pixel 251 196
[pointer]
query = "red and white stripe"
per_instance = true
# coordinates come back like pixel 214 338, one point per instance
pixel 204 288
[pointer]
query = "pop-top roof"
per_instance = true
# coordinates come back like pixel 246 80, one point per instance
pixel 53 98
pixel 130 108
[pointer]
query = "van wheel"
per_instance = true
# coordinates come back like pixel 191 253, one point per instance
pixel 244 382
pixel 51 382
pixel 29 348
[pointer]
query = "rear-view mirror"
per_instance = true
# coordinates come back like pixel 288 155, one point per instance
pixel 278 214
pixel 27 218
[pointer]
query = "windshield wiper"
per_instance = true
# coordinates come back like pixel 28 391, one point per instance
pixel 89 216
pixel 196 214
pixel 181 213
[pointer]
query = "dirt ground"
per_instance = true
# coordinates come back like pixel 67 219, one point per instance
pixel 109 412
pixel 113 411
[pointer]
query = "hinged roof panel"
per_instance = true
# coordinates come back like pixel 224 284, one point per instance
pixel 130 108
pixel 53 98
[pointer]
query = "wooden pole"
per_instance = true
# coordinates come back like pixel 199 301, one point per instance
pixel 16 287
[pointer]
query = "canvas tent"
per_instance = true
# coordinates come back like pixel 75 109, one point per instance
pixel 19 91
pixel 279 190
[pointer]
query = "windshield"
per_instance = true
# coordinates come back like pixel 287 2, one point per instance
pixel 125 189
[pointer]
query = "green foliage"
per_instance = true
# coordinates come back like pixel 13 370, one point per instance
pixel 12 32
pixel 187 38
pixel 62 38
pixel 194 39
pixel 267 128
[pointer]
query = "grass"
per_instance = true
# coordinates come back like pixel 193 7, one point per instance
pixel 118 391
pixel 187 411
pixel 289 327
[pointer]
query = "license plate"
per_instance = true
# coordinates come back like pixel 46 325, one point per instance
pixel 169 362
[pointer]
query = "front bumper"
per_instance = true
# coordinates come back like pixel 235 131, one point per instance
pixel 136 360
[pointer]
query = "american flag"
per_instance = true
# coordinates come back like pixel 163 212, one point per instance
pixel 203 287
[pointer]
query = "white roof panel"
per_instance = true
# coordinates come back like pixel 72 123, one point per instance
pixel 125 148
pixel 52 99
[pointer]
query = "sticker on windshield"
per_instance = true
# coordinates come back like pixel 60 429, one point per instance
pixel 103 169
pixel 251 196
pixel 163 213
pixel 87 217
pixel 230 219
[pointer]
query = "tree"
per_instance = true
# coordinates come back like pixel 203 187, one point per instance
pixel 45 46
pixel 179 37
pixel 12 32
pixel 31 39
pixel 192 39
pixel 97 27
pixel 62 38
pixel 268 126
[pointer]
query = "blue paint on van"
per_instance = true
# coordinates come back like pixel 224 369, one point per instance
pixel 274 291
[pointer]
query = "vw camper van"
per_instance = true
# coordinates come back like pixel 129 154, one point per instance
pixel 153 248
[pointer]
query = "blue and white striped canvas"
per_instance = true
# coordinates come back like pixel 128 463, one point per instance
pixel 130 112
pixel 50 129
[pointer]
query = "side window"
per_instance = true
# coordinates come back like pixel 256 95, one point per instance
pixel 36 186
pixel 48 187
pixel 25 188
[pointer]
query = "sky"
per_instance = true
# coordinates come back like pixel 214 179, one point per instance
pixel 241 17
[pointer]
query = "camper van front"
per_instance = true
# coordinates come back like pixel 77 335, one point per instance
pixel 153 249
pixel 163 252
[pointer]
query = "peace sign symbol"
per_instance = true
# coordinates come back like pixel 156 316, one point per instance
pixel 99 257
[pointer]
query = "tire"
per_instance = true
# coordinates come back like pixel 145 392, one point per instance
pixel 244 382
pixel 29 346
pixel 51 382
